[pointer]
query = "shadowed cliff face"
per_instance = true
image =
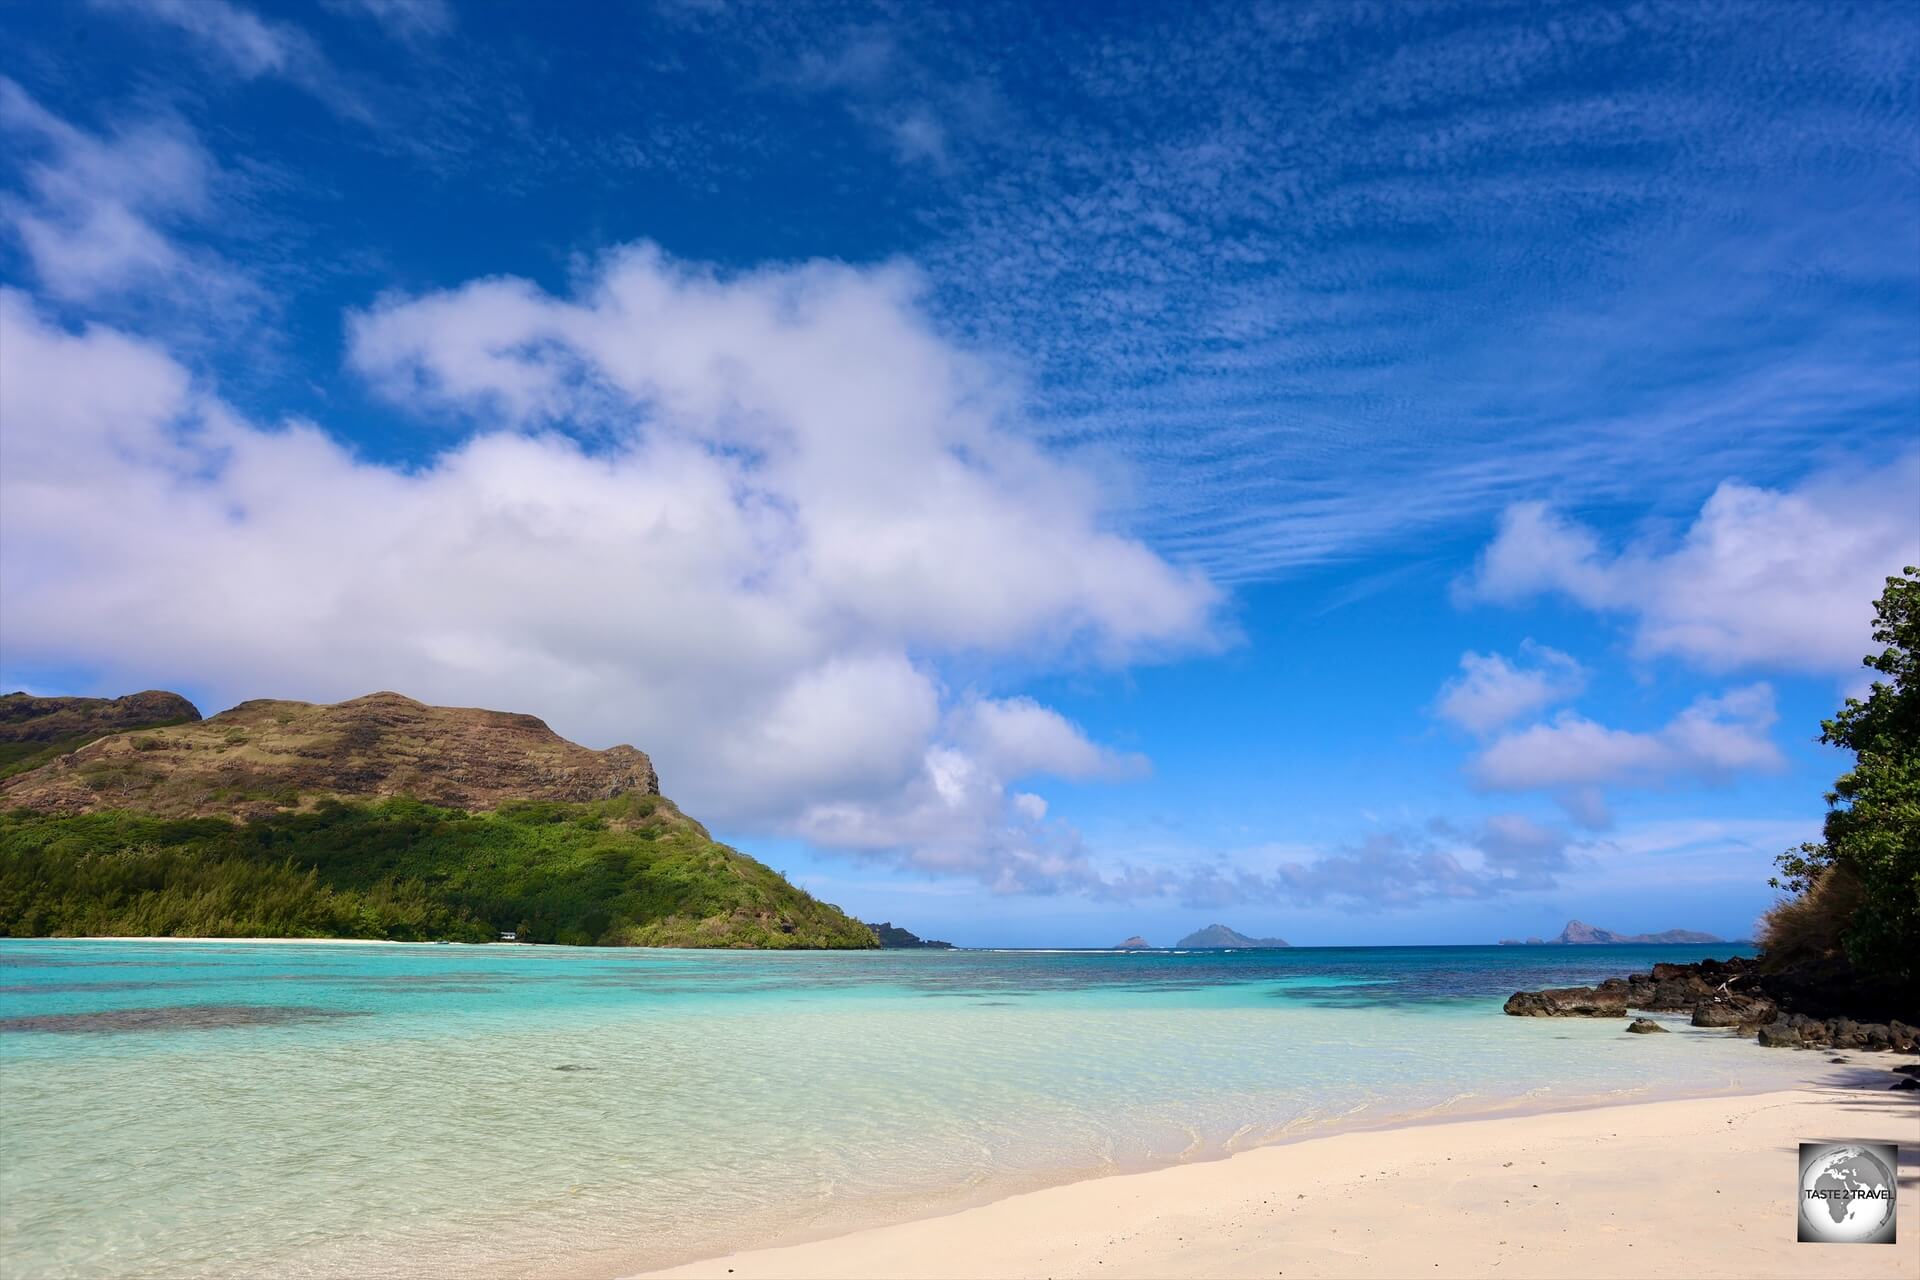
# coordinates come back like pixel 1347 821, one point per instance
pixel 267 756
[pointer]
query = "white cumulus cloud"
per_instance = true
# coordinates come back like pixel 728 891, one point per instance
pixel 1762 578
pixel 1712 739
pixel 1492 690
pixel 745 523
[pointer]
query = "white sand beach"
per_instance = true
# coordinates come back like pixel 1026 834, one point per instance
pixel 1693 1188
pixel 185 940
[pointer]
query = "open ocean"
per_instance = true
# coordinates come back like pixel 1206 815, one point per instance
pixel 202 1109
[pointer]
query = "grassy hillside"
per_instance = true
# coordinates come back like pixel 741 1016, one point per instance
pixel 35 731
pixel 629 871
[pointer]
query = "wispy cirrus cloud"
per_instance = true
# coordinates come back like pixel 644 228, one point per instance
pixel 1326 308
pixel 250 47
pixel 407 19
pixel 97 215
pixel 923 113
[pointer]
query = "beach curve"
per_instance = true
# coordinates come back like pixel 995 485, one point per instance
pixel 1690 1187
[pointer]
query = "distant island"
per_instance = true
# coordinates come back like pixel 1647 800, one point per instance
pixel 1215 937
pixel 1578 933
pixel 893 937
pixel 1218 937
pixel 380 817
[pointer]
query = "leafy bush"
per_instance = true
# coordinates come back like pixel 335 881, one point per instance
pixel 1873 819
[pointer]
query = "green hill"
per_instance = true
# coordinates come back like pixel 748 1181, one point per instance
pixel 380 818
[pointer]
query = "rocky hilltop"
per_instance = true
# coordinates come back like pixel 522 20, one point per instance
pixel 380 817
pixel 34 730
pixel 266 756
pixel 1218 937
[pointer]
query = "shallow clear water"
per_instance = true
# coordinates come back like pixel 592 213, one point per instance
pixel 212 1108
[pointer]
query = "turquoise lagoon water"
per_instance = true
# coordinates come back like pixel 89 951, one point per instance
pixel 191 1109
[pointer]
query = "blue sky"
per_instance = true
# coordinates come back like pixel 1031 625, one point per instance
pixel 1037 474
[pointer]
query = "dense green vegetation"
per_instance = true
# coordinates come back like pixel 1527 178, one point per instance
pixel 1861 884
pixel 631 871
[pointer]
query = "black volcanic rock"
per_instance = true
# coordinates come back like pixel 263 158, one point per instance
pixel 1735 1011
pixel 1737 994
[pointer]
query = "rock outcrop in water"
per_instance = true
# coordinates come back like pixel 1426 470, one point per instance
pixel 1135 943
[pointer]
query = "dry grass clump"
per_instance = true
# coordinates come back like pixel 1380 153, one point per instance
pixel 1803 933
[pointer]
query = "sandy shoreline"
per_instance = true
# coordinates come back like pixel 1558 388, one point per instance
pixel 1693 1187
